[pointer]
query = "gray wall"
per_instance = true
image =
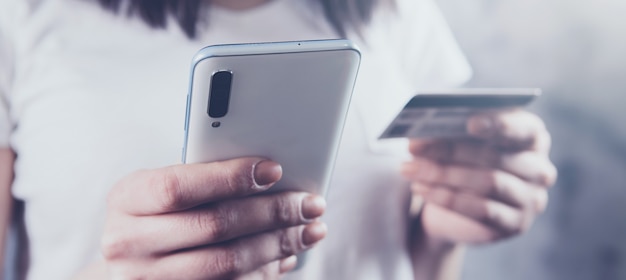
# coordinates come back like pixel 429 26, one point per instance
pixel 576 51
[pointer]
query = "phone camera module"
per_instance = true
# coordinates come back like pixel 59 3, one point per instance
pixel 219 94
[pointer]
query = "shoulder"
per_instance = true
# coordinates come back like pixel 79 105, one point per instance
pixel 415 37
pixel 13 13
pixel 8 10
pixel 12 9
pixel 409 11
pixel 409 18
pixel 410 23
pixel 13 17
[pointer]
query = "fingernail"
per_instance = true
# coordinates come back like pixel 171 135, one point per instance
pixel 313 206
pixel 265 173
pixel 288 264
pixel 480 125
pixel 313 233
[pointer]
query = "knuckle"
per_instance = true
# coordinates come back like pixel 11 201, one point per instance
pixel 114 247
pixel 288 241
pixel 494 180
pixel 549 176
pixel 507 221
pixel 285 210
pixel 455 201
pixel 228 264
pixel 521 225
pixel 218 224
pixel 168 189
pixel 445 198
pixel 491 214
pixel 118 189
pixel 238 178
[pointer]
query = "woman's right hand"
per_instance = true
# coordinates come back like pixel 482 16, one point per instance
pixel 203 221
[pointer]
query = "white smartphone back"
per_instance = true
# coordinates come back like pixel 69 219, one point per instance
pixel 288 102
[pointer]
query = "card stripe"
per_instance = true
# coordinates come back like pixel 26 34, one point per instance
pixel 473 101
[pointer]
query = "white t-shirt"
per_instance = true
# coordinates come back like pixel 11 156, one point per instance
pixel 87 97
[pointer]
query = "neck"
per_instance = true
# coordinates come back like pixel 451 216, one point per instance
pixel 238 4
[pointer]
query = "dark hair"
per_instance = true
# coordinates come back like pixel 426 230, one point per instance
pixel 341 14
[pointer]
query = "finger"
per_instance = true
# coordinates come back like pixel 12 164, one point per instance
pixel 471 152
pixel 514 129
pixel 531 166
pixel 238 257
pixel 267 272
pixel 288 264
pixel 420 146
pixel 272 270
pixel 455 227
pixel 535 202
pixel 182 187
pixel 417 199
pixel 212 224
pixel 489 212
pixel 493 183
pixel 419 188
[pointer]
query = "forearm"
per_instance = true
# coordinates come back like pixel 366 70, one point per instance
pixel 433 262
pixel 431 259
pixel 6 200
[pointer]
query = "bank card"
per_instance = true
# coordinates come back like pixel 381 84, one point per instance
pixel 444 114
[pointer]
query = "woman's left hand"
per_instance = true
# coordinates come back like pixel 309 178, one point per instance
pixel 486 187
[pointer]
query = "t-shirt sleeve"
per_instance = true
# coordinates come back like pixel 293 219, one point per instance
pixel 6 69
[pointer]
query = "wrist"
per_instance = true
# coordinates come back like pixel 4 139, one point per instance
pixel 424 244
pixel 433 257
pixel 420 240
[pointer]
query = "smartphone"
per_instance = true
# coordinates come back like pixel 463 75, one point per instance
pixel 444 113
pixel 285 101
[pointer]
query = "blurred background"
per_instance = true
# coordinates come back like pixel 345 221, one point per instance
pixel 576 51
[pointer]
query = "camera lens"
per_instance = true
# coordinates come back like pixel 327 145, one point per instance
pixel 219 94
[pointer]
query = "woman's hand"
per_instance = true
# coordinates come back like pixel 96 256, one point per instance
pixel 203 221
pixel 487 187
